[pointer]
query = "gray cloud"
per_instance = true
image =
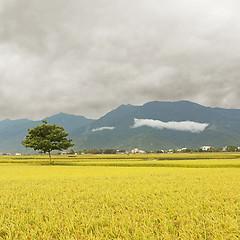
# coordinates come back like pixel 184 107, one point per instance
pixel 189 126
pixel 87 57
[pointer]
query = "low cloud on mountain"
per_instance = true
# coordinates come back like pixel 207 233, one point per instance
pixel 194 127
pixel 102 128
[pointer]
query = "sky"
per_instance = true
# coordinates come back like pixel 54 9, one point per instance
pixel 87 57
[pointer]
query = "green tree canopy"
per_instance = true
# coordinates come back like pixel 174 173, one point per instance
pixel 47 138
pixel 231 149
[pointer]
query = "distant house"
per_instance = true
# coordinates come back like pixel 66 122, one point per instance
pixel 224 148
pixel 181 149
pixel 136 150
pixel 18 154
pixel 206 148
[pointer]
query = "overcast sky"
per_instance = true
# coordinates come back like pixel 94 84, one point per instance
pixel 87 57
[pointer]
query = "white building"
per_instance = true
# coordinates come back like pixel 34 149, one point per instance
pixel 136 150
pixel 181 149
pixel 206 148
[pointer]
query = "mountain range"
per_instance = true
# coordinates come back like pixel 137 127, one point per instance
pixel 152 126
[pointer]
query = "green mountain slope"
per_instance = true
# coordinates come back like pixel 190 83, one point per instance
pixel 12 132
pixel 115 129
pixel 222 129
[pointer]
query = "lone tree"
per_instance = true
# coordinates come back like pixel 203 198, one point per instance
pixel 47 138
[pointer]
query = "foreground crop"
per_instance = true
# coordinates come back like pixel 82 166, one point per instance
pixel 92 202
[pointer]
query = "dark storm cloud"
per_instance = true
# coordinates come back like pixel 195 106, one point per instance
pixel 87 57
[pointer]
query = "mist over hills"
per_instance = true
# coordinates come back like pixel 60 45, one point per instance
pixel 152 126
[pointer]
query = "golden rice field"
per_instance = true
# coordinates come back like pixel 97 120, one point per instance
pixel 165 196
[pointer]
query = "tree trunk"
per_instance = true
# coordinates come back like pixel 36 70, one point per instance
pixel 50 159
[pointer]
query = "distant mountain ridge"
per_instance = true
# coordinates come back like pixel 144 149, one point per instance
pixel 152 126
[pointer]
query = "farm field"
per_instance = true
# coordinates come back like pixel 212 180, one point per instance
pixel 164 196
